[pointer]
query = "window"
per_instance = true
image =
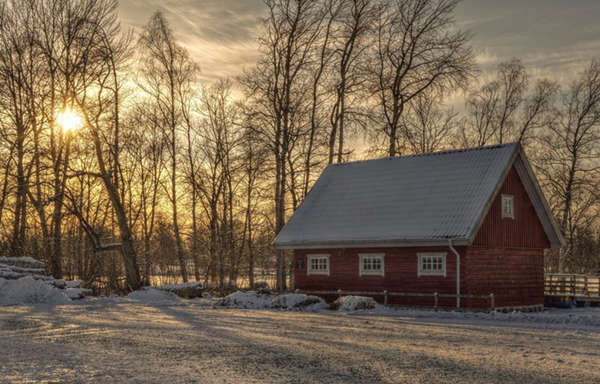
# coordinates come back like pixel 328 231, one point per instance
pixel 371 264
pixel 508 207
pixel 318 264
pixel 432 264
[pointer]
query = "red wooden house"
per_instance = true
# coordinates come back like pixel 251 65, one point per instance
pixel 404 224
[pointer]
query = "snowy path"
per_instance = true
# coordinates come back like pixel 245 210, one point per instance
pixel 128 343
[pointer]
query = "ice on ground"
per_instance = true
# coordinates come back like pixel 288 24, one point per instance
pixel 154 297
pixel 355 303
pixel 28 290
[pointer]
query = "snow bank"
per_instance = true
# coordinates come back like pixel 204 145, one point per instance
pixel 22 260
pixel 355 303
pixel 171 287
pixel 247 300
pixel 28 290
pixel 255 300
pixel 293 301
pixel 74 283
pixel 154 297
pixel 77 293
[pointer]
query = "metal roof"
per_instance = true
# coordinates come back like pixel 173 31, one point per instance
pixel 405 201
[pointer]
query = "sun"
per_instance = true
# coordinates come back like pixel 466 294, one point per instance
pixel 69 119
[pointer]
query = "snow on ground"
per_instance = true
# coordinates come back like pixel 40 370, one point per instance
pixel 23 260
pixel 121 341
pixel 152 296
pixel 289 301
pixel 28 290
pixel 355 303
pixel 299 301
pixel 172 287
pixel 247 300
pixel 551 317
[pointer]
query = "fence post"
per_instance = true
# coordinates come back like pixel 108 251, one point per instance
pixel 339 292
pixel 385 297
pixel 435 300
pixel 492 302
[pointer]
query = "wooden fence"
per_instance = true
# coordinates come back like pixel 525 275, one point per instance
pixel 386 295
pixel 577 285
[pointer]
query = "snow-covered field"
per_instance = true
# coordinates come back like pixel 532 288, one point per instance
pixel 153 337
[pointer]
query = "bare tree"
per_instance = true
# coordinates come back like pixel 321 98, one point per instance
pixel 100 104
pixel 276 86
pixel 166 73
pixel 568 160
pixel 19 72
pixel 417 48
pixel 426 127
pixel 505 110
pixel 354 20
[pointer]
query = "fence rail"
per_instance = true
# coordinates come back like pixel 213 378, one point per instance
pixel 562 284
pixel 386 295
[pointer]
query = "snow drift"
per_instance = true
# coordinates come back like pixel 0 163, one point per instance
pixel 255 300
pixel 247 300
pixel 28 290
pixel 153 296
pixel 355 303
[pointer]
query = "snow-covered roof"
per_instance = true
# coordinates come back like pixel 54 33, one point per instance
pixel 411 200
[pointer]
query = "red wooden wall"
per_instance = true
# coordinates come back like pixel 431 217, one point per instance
pixel 524 231
pixel 514 275
pixel 400 266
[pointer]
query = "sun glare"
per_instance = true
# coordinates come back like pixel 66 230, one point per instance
pixel 69 119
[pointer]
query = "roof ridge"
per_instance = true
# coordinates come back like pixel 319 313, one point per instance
pixel 437 153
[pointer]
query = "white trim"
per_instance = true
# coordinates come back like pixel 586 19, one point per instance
pixel 539 201
pixel 310 257
pixel 362 256
pixel 421 272
pixel 511 198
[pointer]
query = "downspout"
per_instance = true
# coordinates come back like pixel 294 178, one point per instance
pixel 457 272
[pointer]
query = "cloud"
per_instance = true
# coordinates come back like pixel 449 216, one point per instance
pixel 554 38
pixel 219 34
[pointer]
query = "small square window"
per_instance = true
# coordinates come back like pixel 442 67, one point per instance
pixel 432 264
pixel 317 264
pixel 508 211
pixel 371 264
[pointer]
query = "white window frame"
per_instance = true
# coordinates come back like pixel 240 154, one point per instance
pixel 310 257
pixel 421 257
pixel 510 198
pixel 363 272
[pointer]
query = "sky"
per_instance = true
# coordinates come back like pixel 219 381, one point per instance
pixel 553 38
